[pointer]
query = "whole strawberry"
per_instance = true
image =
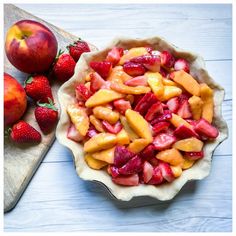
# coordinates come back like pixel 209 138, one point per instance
pixel 38 88
pixel 64 66
pixel 77 48
pixel 46 115
pixel 22 132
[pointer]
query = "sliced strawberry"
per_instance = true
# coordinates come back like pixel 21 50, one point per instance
pixel 185 132
pixel 154 161
pixel 96 82
pixel 149 49
pixel 194 155
pixel 166 171
pixel 167 60
pixel 173 104
pixel 91 132
pixel 160 126
pixel 183 97
pixel 148 152
pixel 155 53
pixel 114 55
pixel 137 81
pixel 170 131
pixel 140 175
pixel 203 127
pixel 114 171
pixel 145 102
pixel 191 122
pixel 181 64
pixel 133 166
pixel 73 134
pixel 147 171
pixel 136 100
pixel 122 156
pixel 157 177
pixel 103 68
pixel 114 129
pixel 82 93
pixel 163 72
pixel 132 180
pixel 184 110
pixel 165 107
pixel 163 141
pixel 155 109
pixel 122 105
pixel 150 62
pixel 134 69
pixel 167 115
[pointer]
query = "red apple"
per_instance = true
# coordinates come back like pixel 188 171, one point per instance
pixel 15 101
pixel 30 46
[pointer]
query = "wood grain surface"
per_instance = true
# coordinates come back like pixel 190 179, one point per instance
pixel 21 162
pixel 58 200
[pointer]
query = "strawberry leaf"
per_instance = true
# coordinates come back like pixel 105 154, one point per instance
pixel 29 80
pixel 49 105
pixel 7 132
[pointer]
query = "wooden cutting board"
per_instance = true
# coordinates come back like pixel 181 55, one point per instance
pixel 21 162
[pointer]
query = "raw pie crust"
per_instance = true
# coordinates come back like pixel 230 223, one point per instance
pixel 163 192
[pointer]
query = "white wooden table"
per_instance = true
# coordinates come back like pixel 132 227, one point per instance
pixel 58 200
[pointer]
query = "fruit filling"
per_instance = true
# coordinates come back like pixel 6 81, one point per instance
pixel 141 116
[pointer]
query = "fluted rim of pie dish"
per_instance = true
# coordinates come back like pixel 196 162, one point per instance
pixel 163 192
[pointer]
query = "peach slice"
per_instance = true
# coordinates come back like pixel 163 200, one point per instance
pixel 170 92
pixel 138 145
pixel 196 104
pixel 124 89
pixel 107 114
pixel 123 137
pixel 189 145
pixel 88 78
pixel 132 135
pixel 139 124
pixel 93 163
pixel 79 118
pixel 105 155
pixel 187 81
pixel 103 96
pixel 96 123
pixel 208 103
pixel 118 73
pixel 132 53
pixel 155 83
pixel 187 164
pixel 171 156
pixel 99 142
pixel 177 171
pixel 177 121
pixel 169 82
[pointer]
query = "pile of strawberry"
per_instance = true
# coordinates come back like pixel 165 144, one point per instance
pixel 38 88
pixel 142 116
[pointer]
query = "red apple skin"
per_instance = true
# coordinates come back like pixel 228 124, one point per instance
pixel 15 101
pixel 30 46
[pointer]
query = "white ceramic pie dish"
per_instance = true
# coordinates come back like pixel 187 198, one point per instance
pixel 167 191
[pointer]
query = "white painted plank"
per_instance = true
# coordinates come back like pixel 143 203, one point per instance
pixel 168 11
pixel 186 26
pixel 221 72
pixel 72 205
